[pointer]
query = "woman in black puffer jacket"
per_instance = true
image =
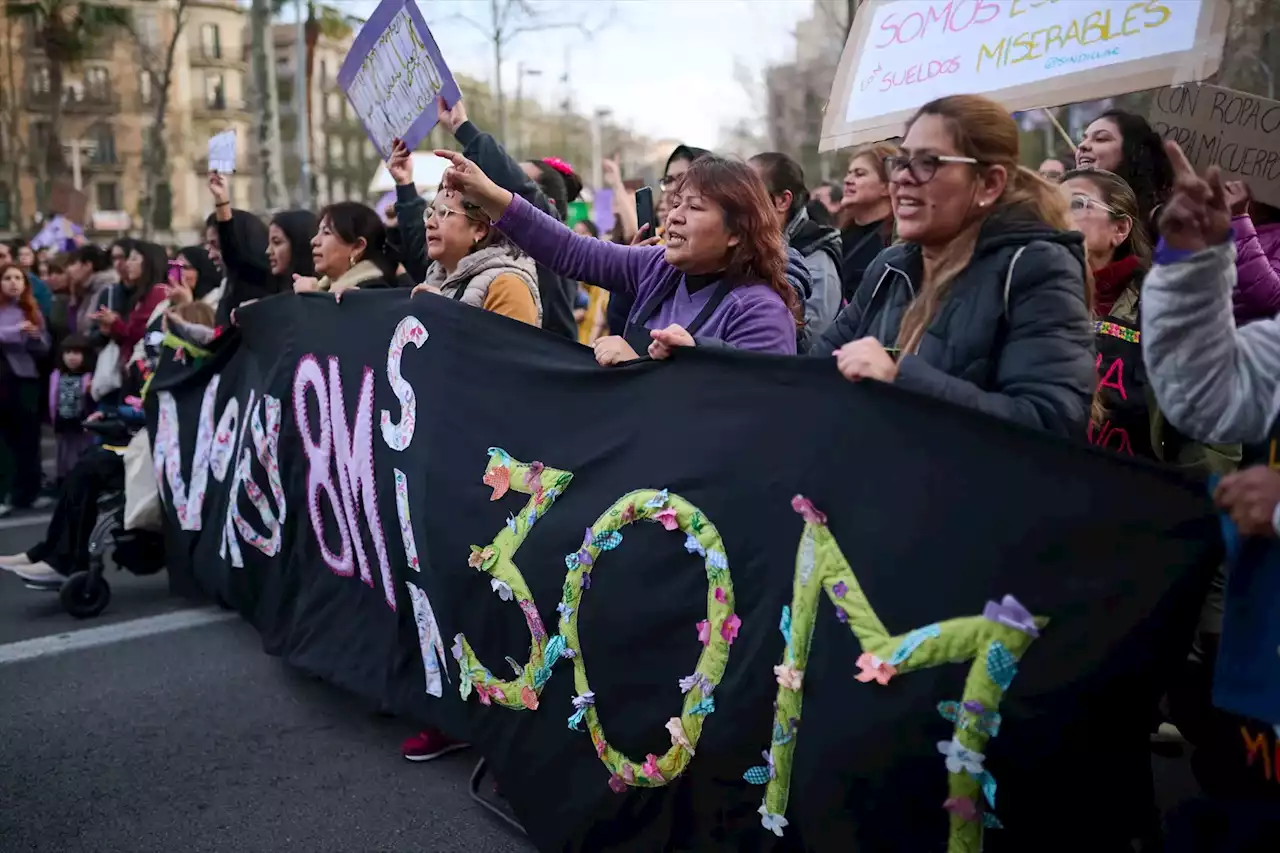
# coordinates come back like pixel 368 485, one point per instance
pixel 986 301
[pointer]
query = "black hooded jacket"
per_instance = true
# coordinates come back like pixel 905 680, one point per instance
pixel 243 240
pixel 1020 346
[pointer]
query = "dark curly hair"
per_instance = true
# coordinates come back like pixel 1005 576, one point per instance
pixel 1144 165
pixel 760 254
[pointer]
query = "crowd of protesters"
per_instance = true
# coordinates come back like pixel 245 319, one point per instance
pixel 1119 299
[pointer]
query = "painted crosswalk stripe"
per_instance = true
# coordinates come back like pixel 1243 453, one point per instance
pixel 105 635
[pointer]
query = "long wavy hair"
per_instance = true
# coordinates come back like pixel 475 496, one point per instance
pixel 985 131
pixel 27 300
pixel 1144 165
pixel 748 214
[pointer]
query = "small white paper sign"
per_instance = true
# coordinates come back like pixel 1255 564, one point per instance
pixel 222 152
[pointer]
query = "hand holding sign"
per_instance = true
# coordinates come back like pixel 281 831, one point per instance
pixel 452 117
pixel 222 152
pixel 1196 215
pixel 400 165
pixel 465 177
pixel 1251 497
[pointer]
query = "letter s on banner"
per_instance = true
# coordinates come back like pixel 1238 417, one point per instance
pixel 398 435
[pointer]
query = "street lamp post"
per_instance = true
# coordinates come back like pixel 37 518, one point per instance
pixel 597 147
pixel 521 137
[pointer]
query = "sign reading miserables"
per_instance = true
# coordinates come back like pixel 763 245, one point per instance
pixel 901 54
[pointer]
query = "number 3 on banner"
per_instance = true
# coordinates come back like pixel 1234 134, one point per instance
pixel 543 485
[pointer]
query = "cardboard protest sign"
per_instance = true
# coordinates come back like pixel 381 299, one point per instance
pixel 222 152
pixel 1237 132
pixel 393 75
pixel 901 54
pixel 653 639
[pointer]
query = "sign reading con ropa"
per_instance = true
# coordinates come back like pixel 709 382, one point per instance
pixel 901 54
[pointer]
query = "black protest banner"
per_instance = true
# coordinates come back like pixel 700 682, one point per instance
pixel 1235 131
pixel 728 602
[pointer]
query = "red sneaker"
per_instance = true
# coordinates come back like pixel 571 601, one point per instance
pixel 429 744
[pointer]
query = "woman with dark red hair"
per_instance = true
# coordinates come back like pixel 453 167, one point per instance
pixel 720 280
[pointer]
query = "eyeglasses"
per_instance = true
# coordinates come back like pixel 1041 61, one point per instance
pixel 442 213
pixel 922 167
pixel 1081 203
pixel 1055 177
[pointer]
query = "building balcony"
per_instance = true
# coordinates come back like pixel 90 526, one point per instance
pixel 102 166
pixel 198 57
pixel 73 102
pixel 218 107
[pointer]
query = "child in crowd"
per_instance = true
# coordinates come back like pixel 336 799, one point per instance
pixel 70 401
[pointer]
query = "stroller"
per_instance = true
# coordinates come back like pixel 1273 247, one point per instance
pixel 86 593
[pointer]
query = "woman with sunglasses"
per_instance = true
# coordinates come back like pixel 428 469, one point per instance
pixel 984 303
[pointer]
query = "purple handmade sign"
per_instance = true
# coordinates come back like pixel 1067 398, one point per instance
pixel 393 75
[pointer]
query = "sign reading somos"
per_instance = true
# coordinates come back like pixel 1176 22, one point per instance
pixel 902 54
pixel 1236 132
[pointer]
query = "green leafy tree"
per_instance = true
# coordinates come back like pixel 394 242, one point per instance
pixel 69 32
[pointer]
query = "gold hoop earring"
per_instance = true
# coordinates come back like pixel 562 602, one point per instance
pixel 351 261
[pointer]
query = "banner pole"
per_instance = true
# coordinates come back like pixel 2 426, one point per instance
pixel 1065 136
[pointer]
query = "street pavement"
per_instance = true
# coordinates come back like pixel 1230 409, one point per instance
pixel 124 734
pixel 157 728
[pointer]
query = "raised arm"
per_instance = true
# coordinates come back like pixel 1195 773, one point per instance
pixel 243 265
pixel 1214 382
pixel 410 208
pixel 487 153
pixel 546 240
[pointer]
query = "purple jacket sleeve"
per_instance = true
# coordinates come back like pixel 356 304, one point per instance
pixel 54 378
pixel 1257 293
pixel 621 269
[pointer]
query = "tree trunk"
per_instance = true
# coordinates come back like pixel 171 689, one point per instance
pixel 16 144
pixel 267 106
pixel 1243 65
pixel 55 162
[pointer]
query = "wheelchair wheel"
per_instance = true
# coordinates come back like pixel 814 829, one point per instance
pixel 85 594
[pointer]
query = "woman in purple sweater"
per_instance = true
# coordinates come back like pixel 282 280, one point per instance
pixel 720 280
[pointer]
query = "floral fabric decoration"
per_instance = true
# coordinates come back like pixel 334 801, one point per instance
pixel 990 644
pixel 874 669
pixel 543 485
pixel 715 633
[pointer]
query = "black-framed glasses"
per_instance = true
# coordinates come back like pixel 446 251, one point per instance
pixel 923 167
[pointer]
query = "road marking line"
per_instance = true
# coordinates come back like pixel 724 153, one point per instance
pixel 25 521
pixel 106 635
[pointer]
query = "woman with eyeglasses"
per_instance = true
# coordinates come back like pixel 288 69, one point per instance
pixel 471 261
pixel 984 302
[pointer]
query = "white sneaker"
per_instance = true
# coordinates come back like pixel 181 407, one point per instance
pixel 38 573
pixel 43 502
pixel 15 561
pixel 5 510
